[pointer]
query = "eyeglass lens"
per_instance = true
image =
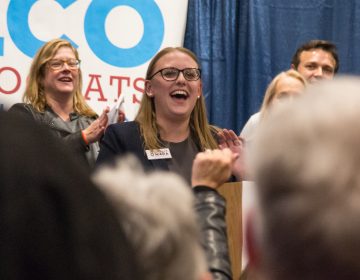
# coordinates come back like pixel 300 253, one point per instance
pixel 171 74
pixel 57 64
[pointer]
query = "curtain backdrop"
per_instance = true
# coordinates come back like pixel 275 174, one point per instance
pixel 243 44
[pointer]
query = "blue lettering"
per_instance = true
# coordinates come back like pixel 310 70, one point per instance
pixel 1 46
pixel 124 57
pixel 18 25
pixel 65 3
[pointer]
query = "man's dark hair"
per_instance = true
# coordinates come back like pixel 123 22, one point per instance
pixel 316 44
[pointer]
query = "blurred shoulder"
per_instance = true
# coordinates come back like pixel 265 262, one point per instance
pixel 249 129
pixel 21 107
pixel 24 110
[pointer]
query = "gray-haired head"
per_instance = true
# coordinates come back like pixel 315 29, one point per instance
pixel 306 162
pixel 157 212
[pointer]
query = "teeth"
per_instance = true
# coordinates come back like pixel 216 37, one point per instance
pixel 65 79
pixel 182 93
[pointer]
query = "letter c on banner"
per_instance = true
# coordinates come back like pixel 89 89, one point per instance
pixel 18 25
pixel 124 57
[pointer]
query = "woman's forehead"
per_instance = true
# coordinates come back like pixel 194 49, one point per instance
pixel 176 58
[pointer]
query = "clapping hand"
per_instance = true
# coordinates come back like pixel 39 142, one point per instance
pixel 96 129
pixel 228 139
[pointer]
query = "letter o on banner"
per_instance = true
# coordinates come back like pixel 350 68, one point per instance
pixel 18 80
pixel 98 41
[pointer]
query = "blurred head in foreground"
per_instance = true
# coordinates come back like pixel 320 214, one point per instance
pixel 157 213
pixel 54 223
pixel 306 161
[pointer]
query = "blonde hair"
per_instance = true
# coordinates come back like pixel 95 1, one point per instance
pixel 34 91
pixel 146 117
pixel 271 89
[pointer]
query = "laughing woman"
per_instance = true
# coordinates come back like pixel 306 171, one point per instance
pixel 170 129
pixel 53 97
pixel 171 126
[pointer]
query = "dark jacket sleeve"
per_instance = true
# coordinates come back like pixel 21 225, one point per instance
pixel 76 142
pixel 211 208
pixel 110 145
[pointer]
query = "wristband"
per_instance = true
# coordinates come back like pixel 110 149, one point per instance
pixel 84 137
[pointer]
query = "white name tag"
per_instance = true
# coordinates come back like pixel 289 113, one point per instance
pixel 158 154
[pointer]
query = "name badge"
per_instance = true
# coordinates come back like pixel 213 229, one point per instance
pixel 158 154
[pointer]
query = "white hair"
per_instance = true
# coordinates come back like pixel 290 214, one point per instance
pixel 157 212
pixel 306 162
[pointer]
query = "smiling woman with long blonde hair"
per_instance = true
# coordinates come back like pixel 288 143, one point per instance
pixel 171 126
pixel 53 97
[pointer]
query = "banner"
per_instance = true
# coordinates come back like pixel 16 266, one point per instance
pixel 116 39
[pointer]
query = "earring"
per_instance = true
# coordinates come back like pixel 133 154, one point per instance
pixel 198 96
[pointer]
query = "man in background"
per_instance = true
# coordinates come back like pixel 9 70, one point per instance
pixel 316 60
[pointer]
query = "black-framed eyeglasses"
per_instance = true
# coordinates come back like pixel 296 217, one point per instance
pixel 171 74
pixel 57 64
